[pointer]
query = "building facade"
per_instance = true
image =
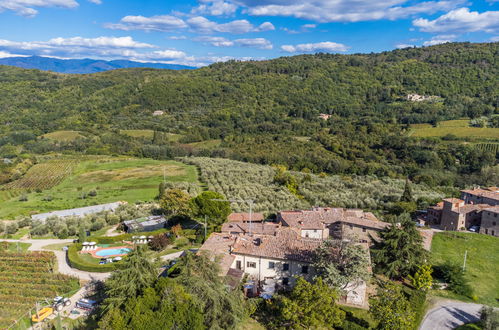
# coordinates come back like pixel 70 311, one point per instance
pixel 490 221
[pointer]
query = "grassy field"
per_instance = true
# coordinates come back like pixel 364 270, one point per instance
pixel 14 247
pixel 112 178
pixel 138 133
pixel 482 264
pixel 63 136
pixel 459 127
pixel 462 132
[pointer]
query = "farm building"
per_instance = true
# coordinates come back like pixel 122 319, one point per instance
pixel 150 223
pixel 78 212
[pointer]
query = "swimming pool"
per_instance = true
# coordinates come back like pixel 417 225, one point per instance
pixel 112 252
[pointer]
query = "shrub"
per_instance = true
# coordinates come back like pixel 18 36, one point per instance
pixel 11 228
pixel 92 193
pixel 453 275
pixel 159 242
pixel 76 262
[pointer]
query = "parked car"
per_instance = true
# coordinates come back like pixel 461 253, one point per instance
pixel 86 304
pixel 474 229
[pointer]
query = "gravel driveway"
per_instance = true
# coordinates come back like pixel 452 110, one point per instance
pixel 448 315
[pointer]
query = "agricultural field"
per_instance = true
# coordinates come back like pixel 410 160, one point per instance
pixel 459 128
pixel 482 264
pixel 63 136
pixel 44 175
pixel 208 144
pixel 95 180
pixel 238 180
pixel 27 278
pixel 494 147
pixel 138 133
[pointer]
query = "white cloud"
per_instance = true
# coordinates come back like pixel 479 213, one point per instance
pixel 267 26
pixel 215 8
pixel 326 46
pixel 199 24
pixel 494 39
pixel 203 25
pixel 440 39
pixel 7 54
pixel 345 10
pixel 461 20
pixel 177 37
pixel 27 7
pixel 216 41
pixel 402 46
pixel 309 26
pixel 77 47
pixel 97 2
pixel 259 43
pixel 162 23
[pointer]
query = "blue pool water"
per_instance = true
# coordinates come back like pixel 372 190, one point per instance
pixel 111 252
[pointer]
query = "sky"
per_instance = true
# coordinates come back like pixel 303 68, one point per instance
pixel 201 32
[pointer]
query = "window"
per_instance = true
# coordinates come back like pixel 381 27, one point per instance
pixel 271 265
pixel 493 223
pixel 238 264
pixel 351 226
pixel 493 233
pixel 315 230
pixel 251 264
pixel 285 266
pixel 285 281
pixel 304 269
pixel 486 231
pixel 363 230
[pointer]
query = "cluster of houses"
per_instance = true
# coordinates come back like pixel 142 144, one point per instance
pixel 273 253
pixel 476 210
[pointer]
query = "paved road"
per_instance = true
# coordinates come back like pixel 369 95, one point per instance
pixel 449 314
pixel 62 262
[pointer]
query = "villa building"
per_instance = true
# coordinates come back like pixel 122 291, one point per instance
pixel 476 207
pixel 490 221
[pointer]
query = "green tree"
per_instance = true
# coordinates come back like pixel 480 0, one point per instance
pixel 82 235
pixel 391 308
pixel 176 202
pixel 161 189
pixel 422 279
pixel 136 274
pixel 211 205
pixel 399 250
pixel 310 306
pixel 339 262
pixel 200 276
pixel 407 194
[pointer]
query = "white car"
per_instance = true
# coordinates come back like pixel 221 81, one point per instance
pixel 474 229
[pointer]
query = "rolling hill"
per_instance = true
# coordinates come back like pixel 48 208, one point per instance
pixel 81 66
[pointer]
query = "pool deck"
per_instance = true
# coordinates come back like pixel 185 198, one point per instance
pixel 93 252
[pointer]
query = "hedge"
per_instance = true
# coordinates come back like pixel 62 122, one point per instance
pixel 76 262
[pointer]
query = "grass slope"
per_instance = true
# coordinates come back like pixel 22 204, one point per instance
pixel 482 264
pixel 464 132
pixel 113 178
pixel 63 136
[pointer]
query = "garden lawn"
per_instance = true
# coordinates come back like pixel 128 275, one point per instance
pixel 482 265
pixel 462 132
pixel 112 178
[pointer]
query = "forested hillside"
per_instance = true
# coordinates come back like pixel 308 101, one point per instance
pixel 267 112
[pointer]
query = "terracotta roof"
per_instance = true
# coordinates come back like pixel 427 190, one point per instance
pixel 453 200
pixel 317 218
pixel 286 245
pixel 492 192
pixel 494 209
pixel 470 208
pixel 240 217
pixel 218 246
pixel 265 228
pixel 439 206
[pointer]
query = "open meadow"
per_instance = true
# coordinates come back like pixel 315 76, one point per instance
pixel 94 180
pixel 459 128
pixel 482 264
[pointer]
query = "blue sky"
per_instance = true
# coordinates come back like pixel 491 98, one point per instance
pixel 200 32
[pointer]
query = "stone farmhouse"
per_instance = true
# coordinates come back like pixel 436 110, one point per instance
pixel 273 253
pixel 476 207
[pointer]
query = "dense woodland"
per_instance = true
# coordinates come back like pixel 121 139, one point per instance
pixel 267 112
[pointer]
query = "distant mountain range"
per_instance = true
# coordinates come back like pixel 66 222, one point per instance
pixel 81 66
